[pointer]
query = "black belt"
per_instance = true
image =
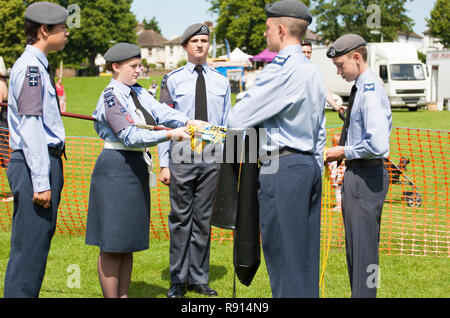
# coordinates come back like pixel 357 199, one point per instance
pixel 282 152
pixel 286 151
pixel 363 162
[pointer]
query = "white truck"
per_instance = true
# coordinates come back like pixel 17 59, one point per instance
pixel 404 76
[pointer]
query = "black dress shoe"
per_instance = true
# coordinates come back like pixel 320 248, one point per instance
pixel 203 290
pixel 176 291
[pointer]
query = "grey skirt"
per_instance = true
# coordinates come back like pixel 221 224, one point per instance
pixel 119 203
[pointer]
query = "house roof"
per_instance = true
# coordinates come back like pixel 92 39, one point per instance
pixel 410 34
pixel 151 38
pixel 176 40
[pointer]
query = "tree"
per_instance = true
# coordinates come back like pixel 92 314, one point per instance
pixel 12 37
pixel 242 23
pixel 338 17
pixel 439 21
pixel 102 23
pixel 153 24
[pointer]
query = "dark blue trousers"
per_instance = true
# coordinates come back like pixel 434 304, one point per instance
pixel 290 202
pixel 32 228
pixel 364 191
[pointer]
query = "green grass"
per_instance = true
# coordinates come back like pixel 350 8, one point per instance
pixel 401 275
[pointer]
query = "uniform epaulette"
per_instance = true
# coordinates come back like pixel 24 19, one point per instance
pixel 166 76
pixel 279 60
pixel 369 87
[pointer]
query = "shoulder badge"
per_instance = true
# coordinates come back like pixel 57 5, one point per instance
pixel 164 81
pixel 33 76
pixel 369 87
pixel 279 60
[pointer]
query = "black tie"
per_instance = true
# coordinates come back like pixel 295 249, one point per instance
pixel 149 120
pixel 52 81
pixel 344 133
pixel 201 112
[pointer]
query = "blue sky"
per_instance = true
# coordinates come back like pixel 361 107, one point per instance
pixel 175 15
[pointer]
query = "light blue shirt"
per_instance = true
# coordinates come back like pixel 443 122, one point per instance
pixel 33 116
pixel 178 90
pixel 116 116
pixel 371 120
pixel 288 99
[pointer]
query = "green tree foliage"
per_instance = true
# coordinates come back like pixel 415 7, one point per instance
pixel 12 37
pixel 439 21
pixel 242 23
pixel 335 18
pixel 102 23
pixel 153 24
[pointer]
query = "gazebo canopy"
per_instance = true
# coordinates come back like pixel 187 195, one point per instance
pixel 264 56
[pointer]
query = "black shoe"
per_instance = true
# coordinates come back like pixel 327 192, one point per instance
pixel 176 291
pixel 203 290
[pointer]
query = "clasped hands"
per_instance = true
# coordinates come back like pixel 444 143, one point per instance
pixel 180 134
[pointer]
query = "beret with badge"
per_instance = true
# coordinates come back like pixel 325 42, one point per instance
pixel 288 8
pixel 193 30
pixel 345 44
pixel 121 52
pixel 46 13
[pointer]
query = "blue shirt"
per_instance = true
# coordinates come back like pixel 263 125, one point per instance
pixel 178 90
pixel 116 116
pixel 371 120
pixel 33 116
pixel 288 99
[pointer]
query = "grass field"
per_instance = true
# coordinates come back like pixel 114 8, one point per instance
pixel 401 276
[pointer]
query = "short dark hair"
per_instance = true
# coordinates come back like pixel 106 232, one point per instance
pixel 32 30
pixel 306 43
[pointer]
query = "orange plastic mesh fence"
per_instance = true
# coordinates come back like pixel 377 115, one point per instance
pixel 415 217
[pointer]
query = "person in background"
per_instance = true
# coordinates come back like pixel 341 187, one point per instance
pixel 61 95
pixel 4 131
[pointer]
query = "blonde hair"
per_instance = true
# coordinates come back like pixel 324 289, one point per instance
pixel 361 51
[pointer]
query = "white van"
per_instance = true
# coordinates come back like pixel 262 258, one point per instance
pixel 397 64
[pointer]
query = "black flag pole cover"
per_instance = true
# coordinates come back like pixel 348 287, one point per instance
pixel 236 207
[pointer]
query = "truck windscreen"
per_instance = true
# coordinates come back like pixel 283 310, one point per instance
pixel 407 72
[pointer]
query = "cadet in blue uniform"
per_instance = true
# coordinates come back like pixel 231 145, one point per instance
pixel 364 144
pixel 119 202
pixel 288 101
pixel 202 93
pixel 37 139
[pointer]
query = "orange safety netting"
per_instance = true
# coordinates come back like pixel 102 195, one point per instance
pixel 415 217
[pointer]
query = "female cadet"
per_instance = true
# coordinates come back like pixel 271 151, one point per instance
pixel 119 203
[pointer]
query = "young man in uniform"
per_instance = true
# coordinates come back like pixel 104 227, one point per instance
pixel 364 144
pixel 37 138
pixel 288 102
pixel 203 94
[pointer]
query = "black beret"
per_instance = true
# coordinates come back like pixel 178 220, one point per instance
pixel 46 13
pixel 288 8
pixel 122 52
pixel 345 44
pixel 195 29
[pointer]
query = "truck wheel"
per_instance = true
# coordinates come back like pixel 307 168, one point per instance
pixel 413 109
